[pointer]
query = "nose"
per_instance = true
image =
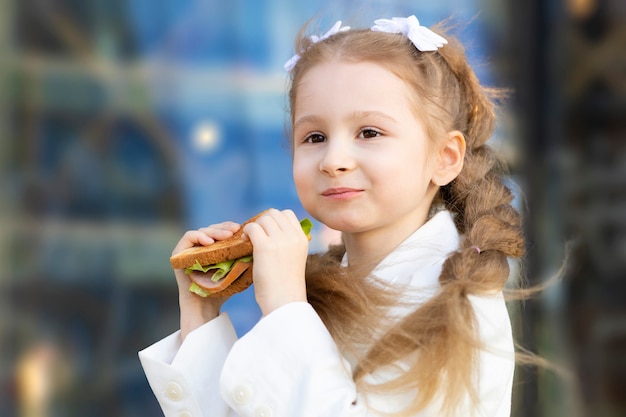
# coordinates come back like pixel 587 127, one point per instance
pixel 338 158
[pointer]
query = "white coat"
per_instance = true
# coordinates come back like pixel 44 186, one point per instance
pixel 288 365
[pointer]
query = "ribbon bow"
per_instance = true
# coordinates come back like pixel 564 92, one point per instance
pixel 315 39
pixel 423 38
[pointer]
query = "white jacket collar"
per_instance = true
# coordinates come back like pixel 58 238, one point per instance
pixel 417 261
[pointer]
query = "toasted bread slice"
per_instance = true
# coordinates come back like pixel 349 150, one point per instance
pixel 222 250
pixel 234 247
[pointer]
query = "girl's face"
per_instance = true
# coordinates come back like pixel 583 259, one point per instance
pixel 362 161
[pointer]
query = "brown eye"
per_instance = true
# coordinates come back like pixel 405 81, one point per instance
pixel 369 133
pixel 315 138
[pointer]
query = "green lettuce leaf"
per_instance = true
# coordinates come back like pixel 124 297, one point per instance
pixel 306 225
pixel 196 289
pixel 222 269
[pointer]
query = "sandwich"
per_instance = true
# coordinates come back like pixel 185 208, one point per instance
pixel 223 268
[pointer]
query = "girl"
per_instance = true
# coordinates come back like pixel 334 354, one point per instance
pixel 406 317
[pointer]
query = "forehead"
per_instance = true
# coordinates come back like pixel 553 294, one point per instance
pixel 347 83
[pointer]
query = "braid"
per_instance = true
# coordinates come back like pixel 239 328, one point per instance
pixel 491 226
pixel 478 195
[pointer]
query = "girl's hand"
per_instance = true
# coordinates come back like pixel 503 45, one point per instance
pixel 280 252
pixel 195 310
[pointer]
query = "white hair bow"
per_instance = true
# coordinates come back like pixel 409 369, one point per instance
pixel 315 39
pixel 423 38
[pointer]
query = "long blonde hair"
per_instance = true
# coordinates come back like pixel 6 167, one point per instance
pixel 439 337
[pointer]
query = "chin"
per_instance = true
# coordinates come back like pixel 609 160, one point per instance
pixel 342 224
pixel 347 221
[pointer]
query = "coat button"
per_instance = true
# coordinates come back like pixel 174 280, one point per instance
pixel 174 391
pixel 242 395
pixel 263 411
pixel 185 414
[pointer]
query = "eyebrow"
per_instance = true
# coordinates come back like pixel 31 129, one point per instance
pixel 306 119
pixel 354 116
pixel 372 114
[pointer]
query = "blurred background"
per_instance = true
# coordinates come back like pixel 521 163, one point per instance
pixel 124 123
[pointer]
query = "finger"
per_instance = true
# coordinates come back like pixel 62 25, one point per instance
pixel 254 229
pixel 271 222
pixel 292 218
pixel 192 238
pixel 275 222
pixel 196 237
pixel 286 220
pixel 220 231
pixel 225 226
pixel 254 232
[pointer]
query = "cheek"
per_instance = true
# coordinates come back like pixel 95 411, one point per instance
pixel 407 171
pixel 302 175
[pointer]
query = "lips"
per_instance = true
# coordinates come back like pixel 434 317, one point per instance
pixel 341 193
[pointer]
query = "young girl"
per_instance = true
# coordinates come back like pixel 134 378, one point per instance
pixel 406 316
